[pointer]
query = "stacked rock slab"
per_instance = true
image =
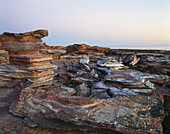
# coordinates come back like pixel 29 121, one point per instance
pixel 26 62
pixel 53 105
pixel 58 107
pixel 94 53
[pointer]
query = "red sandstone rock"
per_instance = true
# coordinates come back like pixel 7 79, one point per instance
pixel 54 51
pixel 57 47
pixel 25 59
pixel 99 49
pixel 124 100
pixel 85 49
pixel 23 41
pixel 76 47
pixel 46 104
pixel 45 45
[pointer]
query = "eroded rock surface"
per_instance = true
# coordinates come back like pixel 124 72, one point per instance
pixel 77 89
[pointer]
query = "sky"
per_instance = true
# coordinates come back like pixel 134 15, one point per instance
pixel 111 23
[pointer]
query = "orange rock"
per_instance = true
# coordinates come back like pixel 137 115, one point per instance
pixel 76 47
pixel 23 41
pixel 85 49
pixel 95 97
pixel 46 46
pixel 33 52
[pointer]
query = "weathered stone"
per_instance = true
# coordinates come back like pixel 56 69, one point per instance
pixel 76 47
pixel 110 113
pixel 100 95
pixel 131 60
pixel 83 90
pixel 5 91
pixel 24 41
pixel 76 92
pixel 79 49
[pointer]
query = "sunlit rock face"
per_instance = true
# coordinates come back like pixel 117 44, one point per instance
pixel 30 41
pixel 85 49
pixel 76 89
pixel 26 62
pixel 94 53
pixel 125 114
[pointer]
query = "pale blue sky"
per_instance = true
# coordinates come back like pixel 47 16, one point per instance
pixel 130 23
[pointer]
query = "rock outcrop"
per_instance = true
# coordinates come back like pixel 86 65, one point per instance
pixel 77 89
pixel 152 61
pixel 26 62
pixel 85 49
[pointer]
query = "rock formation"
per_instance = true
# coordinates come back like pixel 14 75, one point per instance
pixel 26 62
pixel 76 89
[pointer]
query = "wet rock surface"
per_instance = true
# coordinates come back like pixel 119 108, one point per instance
pixel 80 89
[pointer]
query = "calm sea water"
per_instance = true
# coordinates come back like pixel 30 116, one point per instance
pixel 145 48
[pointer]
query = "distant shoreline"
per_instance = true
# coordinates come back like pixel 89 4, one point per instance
pixel 142 48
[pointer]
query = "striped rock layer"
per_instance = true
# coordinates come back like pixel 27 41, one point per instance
pixel 46 103
pixel 26 62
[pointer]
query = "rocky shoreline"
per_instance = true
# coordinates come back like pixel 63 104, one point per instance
pixel 81 89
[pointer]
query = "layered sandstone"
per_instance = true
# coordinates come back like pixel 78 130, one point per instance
pixel 77 89
pixel 26 62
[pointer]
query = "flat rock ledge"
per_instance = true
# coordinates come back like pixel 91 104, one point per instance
pixel 80 89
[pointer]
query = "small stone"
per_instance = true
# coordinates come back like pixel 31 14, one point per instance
pixel 83 90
